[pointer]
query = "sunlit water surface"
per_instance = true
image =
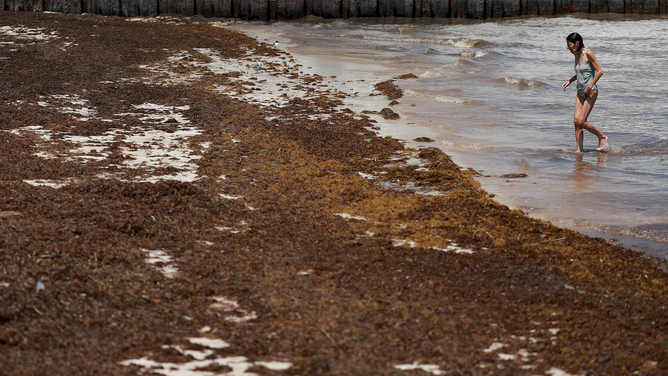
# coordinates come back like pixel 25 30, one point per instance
pixel 489 93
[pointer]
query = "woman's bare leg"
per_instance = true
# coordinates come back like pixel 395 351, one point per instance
pixel 583 107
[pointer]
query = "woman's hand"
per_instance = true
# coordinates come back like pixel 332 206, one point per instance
pixel 588 92
pixel 565 84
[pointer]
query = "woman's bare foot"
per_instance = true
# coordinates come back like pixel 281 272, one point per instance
pixel 602 143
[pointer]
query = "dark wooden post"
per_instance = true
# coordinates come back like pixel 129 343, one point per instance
pixel 354 8
pixel 214 8
pixel 324 4
pixel 373 8
pixel 185 7
pixel 634 6
pixel 440 8
pixel 581 6
pixel 296 9
pixel 281 10
pixel 57 6
pixel 616 6
pixel 345 8
pixel 244 9
pixel 236 8
pixel 511 8
pixel 651 7
pixel 494 8
pixel 476 9
pixel 546 7
pixel 125 8
pixel 382 8
pixel 408 8
pixel 149 8
pixel 400 8
pixel 598 6
pixel 253 9
pixel 326 8
pixel 530 7
pixel 427 9
pixel 391 8
pixel 291 7
pixel 93 6
pixel 264 10
pixel 116 8
pixel 273 8
pixel 336 8
pixel 223 8
pixel 163 6
pixel 205 8
pixel 37 5
pixel 562 6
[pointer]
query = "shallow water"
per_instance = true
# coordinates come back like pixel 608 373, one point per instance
pixel 489 93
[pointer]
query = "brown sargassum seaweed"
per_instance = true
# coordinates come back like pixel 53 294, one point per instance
pixel 332 295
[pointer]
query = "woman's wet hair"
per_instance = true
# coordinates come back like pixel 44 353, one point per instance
pixel 575 37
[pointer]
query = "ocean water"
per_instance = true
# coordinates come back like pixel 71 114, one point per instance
pixel 489 93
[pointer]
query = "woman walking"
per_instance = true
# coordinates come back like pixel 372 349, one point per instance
pixel 587 73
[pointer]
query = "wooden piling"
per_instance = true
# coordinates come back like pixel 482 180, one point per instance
pixel 272 10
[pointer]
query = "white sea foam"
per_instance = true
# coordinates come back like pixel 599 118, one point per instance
pixel 453 248
pixel 523 83
pixel 144 148
pixel 404 242
pixel 494 346
pixel 238 364
pixel 208 342
pixel 474 54
pixel 367 176
pixel 47 183
pixel 23 32
pixel 348 216
pixel 440 98
pixel 227 305
pixel 430 368
pixel 161 261
pixel 557 372
pixel 453 100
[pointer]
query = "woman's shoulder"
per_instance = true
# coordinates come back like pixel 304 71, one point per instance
pixel 589 55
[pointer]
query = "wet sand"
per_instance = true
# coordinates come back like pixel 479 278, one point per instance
pixel 168 206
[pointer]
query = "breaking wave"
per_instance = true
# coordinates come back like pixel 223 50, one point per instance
pixel 441 98
pixel 447 70
pixel 474 54
pixel 522 83
pixel 460 42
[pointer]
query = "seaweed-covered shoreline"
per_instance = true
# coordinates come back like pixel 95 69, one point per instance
pixel 168 204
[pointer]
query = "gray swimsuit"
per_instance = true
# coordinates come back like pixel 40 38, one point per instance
pixel 585 73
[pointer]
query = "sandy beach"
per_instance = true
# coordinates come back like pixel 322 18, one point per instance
pixel 180 199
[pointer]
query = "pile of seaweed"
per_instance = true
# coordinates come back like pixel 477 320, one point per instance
pixel 340 254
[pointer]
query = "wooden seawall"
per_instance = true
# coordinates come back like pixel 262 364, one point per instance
pixel 294 9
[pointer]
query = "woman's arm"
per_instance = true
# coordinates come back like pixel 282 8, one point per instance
pixel 565 84
pixel 591 58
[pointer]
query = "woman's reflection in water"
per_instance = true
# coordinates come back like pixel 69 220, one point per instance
pixel 585 171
